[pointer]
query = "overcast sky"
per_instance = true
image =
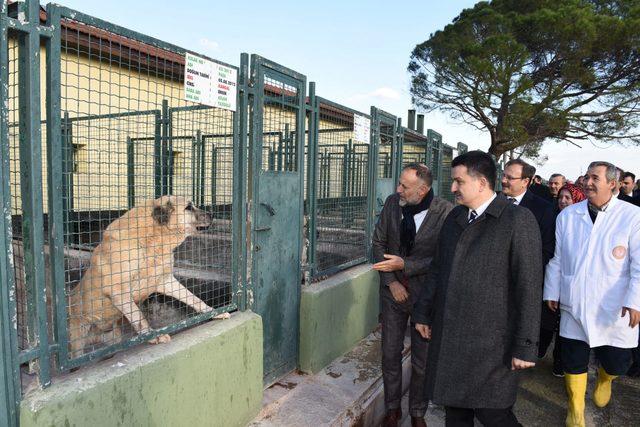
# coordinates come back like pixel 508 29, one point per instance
pixel 357 52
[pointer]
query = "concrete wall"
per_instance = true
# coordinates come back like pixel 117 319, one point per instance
pixel 210 375
pixel 335 314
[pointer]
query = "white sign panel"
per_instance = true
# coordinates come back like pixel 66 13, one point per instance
pixel 209 83
pixel 361 129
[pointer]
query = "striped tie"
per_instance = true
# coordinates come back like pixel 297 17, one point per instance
pixel 511 199
pixel 472 216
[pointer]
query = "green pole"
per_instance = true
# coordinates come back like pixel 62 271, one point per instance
pixel 9 372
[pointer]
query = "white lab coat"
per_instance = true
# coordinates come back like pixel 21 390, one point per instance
pixel 595 272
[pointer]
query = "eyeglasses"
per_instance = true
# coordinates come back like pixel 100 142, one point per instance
pixel 512 178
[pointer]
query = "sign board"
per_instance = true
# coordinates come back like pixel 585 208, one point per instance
pixel 209 83
pixel 361 129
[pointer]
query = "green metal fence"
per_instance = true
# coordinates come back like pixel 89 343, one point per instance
pixel 340 187
pixel 131 212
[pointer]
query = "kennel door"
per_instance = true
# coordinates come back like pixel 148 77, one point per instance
pixel 276 169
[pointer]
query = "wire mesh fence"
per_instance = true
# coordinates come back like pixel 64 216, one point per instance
pixel 341 189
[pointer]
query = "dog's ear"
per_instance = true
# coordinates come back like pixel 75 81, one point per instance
pixel 162 213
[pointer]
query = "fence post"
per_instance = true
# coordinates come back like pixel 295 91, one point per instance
pixel 9 373
pixel 158 153
pixel 131 180
pixel 163 160
pixel 31 186
pixel 312 181
pixel 399 150
pixel 56 179
pixel 371 176
pixel 239 202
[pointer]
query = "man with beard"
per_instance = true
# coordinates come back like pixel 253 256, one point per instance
pixel 480 303
pixel 403 245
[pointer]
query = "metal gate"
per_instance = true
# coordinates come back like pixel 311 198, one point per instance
pixel 277 117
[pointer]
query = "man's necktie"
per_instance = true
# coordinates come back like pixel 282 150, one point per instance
pixel 511 199
pixel 472 216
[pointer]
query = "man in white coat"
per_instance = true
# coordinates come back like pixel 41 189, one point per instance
pixel 594 278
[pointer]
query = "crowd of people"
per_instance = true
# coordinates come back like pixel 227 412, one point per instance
pixel 490 283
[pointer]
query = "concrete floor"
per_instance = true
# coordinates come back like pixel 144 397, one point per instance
pixel 349 392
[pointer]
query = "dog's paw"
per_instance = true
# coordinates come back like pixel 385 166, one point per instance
pixel 160 339
pixel 223 316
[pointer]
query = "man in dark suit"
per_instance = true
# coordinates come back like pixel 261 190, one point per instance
pixel 626 183
pixel 515 180
pixel 403 245
pixel 539 189
pixel 480 304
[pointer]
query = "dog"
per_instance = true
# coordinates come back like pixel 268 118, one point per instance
pixel 133 261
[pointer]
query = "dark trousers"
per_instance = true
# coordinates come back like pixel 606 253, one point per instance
pixel 489 417
pixel 575 357
pixel 546 336
pixel 394 325
pixel 636 351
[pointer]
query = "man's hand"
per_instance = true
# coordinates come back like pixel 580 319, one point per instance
pixel 424 330
pixel 517 364
pixel 399 292
pixel 392 263
pixel 553 305
pixel 634 316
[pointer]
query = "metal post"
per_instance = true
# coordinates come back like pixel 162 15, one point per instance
pixel 158 153
pixel 202 168
pixel 9 373
pixel 56 184
pixel 31 186
pixel 398 140
pixel 131 180
pixel 195 162
pixel 67 173
pixel 165 154
pixel 372 177
pixel 312 181
pixel 214 170
pixel 239 211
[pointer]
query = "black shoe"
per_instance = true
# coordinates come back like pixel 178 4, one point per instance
pixel 557 370
pixel 634 370
pixel 393 417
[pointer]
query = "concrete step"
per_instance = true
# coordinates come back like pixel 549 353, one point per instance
pixel 347 392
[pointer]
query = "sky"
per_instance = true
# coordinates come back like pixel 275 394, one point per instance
pixel 356 51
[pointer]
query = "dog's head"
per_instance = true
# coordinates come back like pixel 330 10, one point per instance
pixel 179 215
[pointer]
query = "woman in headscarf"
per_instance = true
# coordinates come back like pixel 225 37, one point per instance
pixel 570 194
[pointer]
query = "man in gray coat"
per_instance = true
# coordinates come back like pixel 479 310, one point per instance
pixel 480 303
pixel 403 245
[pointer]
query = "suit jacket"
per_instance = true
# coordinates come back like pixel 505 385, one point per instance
pixel 629 199
pixel 482 299
pixel 545 216
pixel 386 240
pixel 541 191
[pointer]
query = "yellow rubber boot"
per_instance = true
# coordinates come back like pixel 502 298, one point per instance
pixel 576 389
pixel 602 393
